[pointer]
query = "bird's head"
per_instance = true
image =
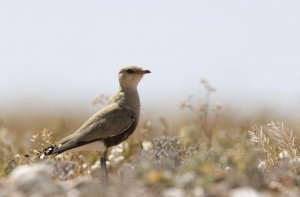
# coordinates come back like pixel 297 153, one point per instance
pixel 130 76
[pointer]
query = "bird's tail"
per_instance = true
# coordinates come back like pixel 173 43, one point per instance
pixel 13 162
pixel 47 151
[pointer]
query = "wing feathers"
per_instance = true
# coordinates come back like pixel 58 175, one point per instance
pixel 111 121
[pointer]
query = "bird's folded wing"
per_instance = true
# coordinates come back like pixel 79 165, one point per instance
pixel 112 120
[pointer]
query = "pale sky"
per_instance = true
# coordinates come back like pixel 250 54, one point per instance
pixel 69 51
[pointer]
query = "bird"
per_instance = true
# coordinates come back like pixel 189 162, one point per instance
pixel 111 125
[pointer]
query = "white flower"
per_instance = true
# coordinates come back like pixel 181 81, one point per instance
pixel 262 166
pixel 96 165
pixel 284 156
pixel 228 169
pixel 147 145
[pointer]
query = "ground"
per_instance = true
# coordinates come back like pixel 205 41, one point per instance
pixel 207 153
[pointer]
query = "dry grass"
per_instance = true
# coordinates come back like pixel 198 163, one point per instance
pixel 207 116
pixel 202 157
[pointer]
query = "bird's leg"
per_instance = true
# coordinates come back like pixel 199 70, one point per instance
pixel 104 174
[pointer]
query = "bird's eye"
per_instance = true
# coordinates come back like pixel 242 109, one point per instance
pixel 130 71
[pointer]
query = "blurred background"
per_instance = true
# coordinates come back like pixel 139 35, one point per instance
pixel 56 57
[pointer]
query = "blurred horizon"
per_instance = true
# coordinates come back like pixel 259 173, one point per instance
pixel 62 54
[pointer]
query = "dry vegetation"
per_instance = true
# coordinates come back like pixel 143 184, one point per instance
pixel 205 156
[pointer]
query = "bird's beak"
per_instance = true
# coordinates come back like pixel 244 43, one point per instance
pixel 144 72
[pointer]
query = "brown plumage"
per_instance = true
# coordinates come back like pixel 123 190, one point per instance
pixel 110 126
